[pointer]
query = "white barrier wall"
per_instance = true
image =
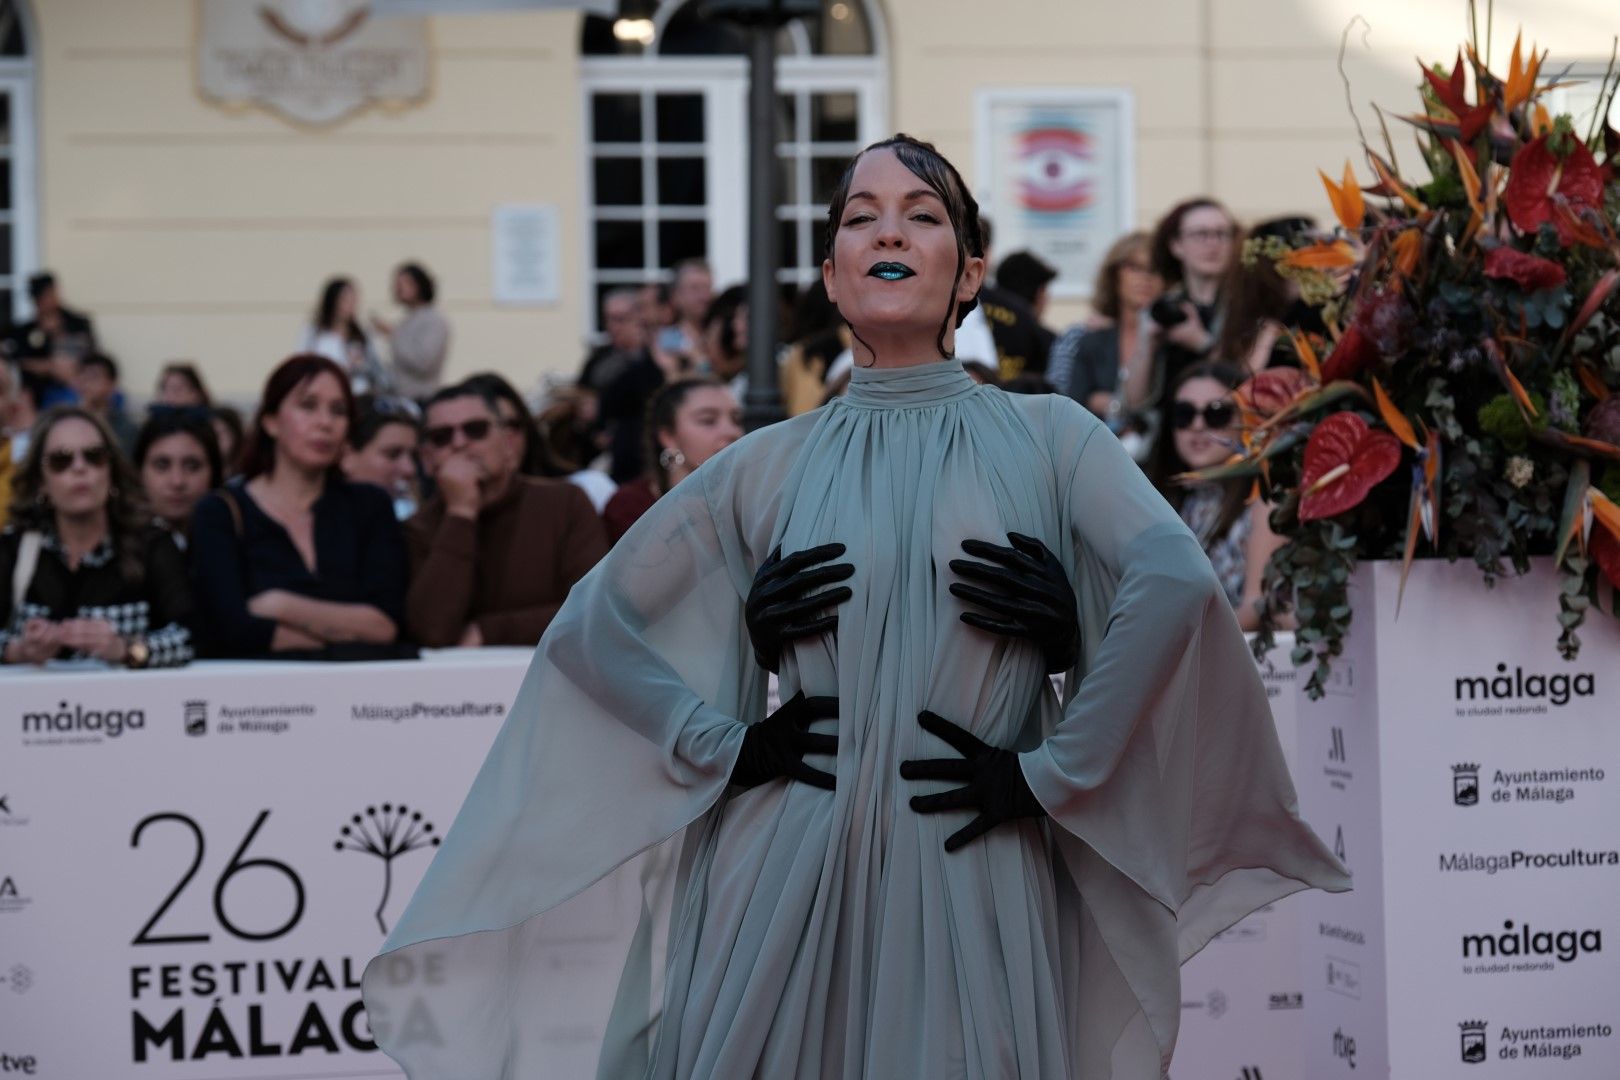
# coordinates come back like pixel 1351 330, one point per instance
pixel 1467 774
pixel 1242 1008
pixel 196 865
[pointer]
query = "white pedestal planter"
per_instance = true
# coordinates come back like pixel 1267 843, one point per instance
pixel 1470 778
pixel 1242 1005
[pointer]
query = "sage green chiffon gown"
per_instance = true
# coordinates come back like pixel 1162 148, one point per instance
pixel 791 932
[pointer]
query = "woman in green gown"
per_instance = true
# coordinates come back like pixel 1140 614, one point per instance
pixel 924 864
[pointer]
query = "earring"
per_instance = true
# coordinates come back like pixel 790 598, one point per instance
pixel 669 459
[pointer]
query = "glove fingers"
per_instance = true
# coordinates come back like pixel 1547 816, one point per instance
pixel 993 575
pixel 793 610
pixel 961 798
pixel 984 549
pixel 799 560
pixel 817 743
pixel 806 580
pixel 969 832
pixel 937 769
pixel 998 602
pixel 1003 627
pixel 964 743
pixel 816 708
pixel 1031 546
pixel 814 777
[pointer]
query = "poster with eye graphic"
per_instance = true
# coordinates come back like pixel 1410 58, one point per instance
pixel 1056 176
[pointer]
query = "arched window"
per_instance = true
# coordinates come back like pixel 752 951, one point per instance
pixel 18 207
pixel 667 139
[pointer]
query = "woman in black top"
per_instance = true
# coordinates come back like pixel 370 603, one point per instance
pixel 293 559
pixel 87 576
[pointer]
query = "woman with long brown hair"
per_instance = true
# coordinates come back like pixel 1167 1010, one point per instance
pixel 90 576
pixel 293 559
pixel 689 421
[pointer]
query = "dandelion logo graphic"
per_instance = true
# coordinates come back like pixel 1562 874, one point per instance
pixel 387 832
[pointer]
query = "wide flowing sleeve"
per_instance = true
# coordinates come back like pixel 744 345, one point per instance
pixel 624 733
pixel 1164 778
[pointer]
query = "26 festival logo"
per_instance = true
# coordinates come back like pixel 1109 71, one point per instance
pixel 396 831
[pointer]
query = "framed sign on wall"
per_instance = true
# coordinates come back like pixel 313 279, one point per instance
pixel 1056 175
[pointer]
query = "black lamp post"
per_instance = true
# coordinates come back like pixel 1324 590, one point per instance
pixel 760 20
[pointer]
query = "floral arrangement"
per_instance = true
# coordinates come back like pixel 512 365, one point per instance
pixel 1461 394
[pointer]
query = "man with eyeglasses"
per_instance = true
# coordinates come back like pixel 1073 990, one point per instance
pixel 493 553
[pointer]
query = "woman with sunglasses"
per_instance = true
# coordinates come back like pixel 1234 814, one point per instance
pixel 1201 421
pixel 293 559
pixel 89 576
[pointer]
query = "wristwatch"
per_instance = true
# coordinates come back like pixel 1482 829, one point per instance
pixel 137 653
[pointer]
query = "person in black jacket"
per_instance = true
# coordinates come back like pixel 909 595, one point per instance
pixel 89 576
pixel 49 346
pixel 293 559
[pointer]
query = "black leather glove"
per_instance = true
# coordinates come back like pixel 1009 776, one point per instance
pixel 1030 596
pixel 776 746
pixel 778 609
pixel 994 782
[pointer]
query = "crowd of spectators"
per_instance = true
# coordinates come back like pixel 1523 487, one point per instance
pixel 368 510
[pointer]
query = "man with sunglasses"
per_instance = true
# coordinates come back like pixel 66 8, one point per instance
pixel 493 553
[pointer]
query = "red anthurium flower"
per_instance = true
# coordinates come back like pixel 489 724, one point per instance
pixel 1271 391
pixel 1354 353
pixel 1530 272
pixel 1605 551
pixel 1538 183
pixel 1344 460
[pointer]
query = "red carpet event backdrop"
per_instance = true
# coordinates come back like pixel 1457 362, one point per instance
pixel 196 866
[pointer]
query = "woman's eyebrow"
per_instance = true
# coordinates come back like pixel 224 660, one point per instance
pixel 911 196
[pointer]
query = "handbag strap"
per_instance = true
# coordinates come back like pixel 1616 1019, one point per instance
pixel 22 572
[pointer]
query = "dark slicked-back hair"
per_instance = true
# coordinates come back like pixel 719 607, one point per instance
pixel 932 168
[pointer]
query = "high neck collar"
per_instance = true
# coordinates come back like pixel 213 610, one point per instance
pixel 909 387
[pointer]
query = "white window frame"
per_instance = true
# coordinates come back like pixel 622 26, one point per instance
pixel 723 82
pixel 17 82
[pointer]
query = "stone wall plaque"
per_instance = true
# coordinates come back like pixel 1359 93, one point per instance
pixel 310 61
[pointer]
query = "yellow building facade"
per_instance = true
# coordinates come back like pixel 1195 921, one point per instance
pixel 196 230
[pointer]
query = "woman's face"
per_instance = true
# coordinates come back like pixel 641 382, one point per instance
pixel 405 289
pixel 310 424
pixel 894 256
pixel 78 474
pixel 1139 285
pixel 707 421
pixel 348 302
pixel 388 460
pixel 174 476
pixel 1206 241
pixel 176 390
pixel 1199 445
